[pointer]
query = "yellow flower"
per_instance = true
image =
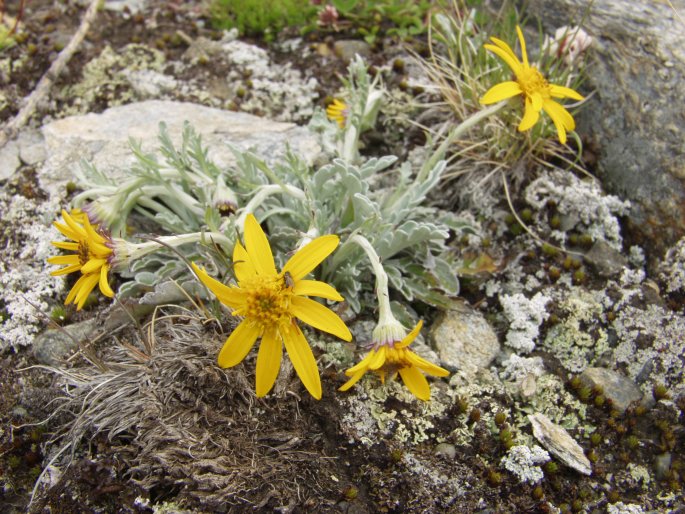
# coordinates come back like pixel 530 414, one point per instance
pixel 269 301
pixel 536 91
pixel 392 357
pixel 92 257
pixel 338 112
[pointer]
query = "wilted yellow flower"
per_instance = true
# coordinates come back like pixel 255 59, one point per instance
pixel 536 91
pixel 92 257
pixel 337 111
pixel 391 356
pixel 270 301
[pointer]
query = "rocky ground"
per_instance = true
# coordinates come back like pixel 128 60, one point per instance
pixel 566 391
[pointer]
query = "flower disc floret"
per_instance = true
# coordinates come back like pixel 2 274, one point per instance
pixel 537 92
pixel 270 303
pixel 92 256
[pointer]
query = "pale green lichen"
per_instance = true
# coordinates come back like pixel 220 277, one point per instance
pixel 108 77
pixel 578 339
pixel 551 398
pixel 366 415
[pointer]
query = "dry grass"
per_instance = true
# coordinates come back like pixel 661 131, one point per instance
pixel 180 423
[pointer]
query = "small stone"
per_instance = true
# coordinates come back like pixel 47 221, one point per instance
pixel 446 450
pixel 346 49
pixel 605 260
pixel 53 345
pixel 616 387
pixel 464 340
pixel 558 441
pixel 662 464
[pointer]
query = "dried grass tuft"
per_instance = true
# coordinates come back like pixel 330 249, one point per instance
pixel 191 430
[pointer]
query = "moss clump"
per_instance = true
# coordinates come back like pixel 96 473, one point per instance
pixel 260 18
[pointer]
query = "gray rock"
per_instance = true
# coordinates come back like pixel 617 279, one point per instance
pixel 9 159
pixel 464 340
pixel 616 387
pixel 103 139
pixel 637 68
pixel 446 450
pixel 346 49
pixel 606 260
pixel 558 442
pixel 54 345
pixel 31 147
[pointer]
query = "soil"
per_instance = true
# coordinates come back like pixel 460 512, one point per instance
pixel 288 453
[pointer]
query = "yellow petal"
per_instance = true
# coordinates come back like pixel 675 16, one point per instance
pixel 268 361
pixel 410 336
pixel 303 359
pixel 362 365
pixel 318 316
pixel 500 92
pixel 310 256
pixel 511 61
pixel 378 358
pixel 231 296
pixel 74 226
pixel 93 266
pixel 316 288
pixel 242 264
pixel 425 365
pixel 65 245
pixel 67 270
pixel 524 54
pixel 104 284
pixel 92 234
pixel 64 229
pixel 238 344
pixel 64 259
pixel 562 119
pixel 258 248
pixel 88 283
pixel 558 111
pixel 536 101
pixel 355 378
pixel 504 46
pixel 416 383
pixel 530 117
pixel 565 92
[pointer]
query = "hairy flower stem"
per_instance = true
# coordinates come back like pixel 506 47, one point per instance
pixel 455 134
pixel 126 252
pixel 385 315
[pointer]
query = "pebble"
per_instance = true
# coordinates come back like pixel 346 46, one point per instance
pixel 615 387
pixel 559 443
pixel 464 340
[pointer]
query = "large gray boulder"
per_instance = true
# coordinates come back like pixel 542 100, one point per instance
pixel 637 116
pixel 103 139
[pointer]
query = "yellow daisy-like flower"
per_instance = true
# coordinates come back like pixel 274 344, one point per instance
pixel 337 111
pixel 270 301
pixel 394 357
pixel 92 257
pixel 538 94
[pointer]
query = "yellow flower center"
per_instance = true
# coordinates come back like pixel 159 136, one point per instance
pixel 268 301
pixel 83 252
pixel 532 81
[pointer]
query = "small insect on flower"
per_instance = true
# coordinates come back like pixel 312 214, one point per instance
pixel 391 356
pixel 92 256
pixel 537 93
pixel 338 111
pixel 269 302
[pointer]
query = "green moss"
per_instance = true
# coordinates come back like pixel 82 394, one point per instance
pixel 261 18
